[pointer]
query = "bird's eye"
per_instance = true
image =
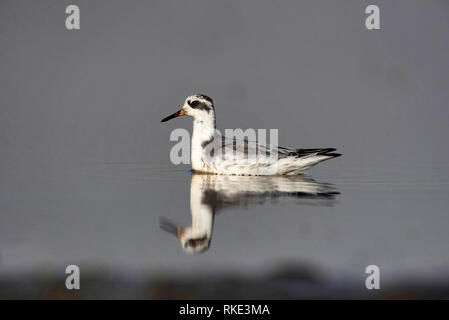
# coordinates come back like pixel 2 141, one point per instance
pixel 194 103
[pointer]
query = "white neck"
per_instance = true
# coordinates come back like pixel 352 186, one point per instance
pixel 203 130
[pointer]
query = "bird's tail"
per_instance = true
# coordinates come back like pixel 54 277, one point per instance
pixel 302 153
pixel 304 159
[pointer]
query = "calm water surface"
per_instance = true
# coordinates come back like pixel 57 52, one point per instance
pixel 136 223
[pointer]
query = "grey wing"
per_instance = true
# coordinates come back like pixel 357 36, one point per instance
pixel 235 150
pixel 231 150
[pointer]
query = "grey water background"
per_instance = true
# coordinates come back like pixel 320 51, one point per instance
pixel 84 162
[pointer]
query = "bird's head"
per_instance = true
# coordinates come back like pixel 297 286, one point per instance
pixel 198 106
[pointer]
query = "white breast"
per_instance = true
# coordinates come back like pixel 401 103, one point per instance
pixel 201 132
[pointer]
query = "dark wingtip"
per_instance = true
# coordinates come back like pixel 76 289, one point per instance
pixel 316 152
pixel 333 155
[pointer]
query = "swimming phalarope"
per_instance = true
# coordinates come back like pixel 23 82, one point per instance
pixel 213 153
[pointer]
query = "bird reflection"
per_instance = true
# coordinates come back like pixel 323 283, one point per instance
pixel 211 193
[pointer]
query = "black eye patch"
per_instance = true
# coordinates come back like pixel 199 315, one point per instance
pixel 199 105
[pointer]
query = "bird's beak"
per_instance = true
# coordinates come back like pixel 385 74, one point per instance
pixel 174 115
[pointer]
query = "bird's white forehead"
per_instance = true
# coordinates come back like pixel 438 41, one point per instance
pixel 200 98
